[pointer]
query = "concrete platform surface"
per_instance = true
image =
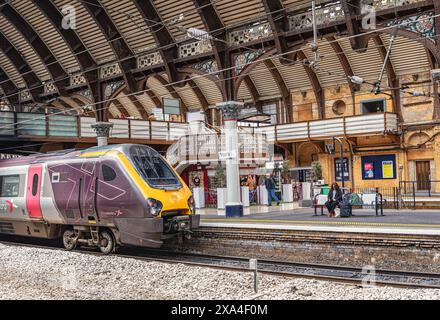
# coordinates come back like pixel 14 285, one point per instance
pixel 420 222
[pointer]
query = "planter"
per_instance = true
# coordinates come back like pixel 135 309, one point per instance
pixel 199 197
pixel 287 193
pixel 221 198
pixel 263 198
pixel 245 196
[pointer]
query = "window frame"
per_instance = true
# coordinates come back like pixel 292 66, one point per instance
pixel 1 185
pixel 383 100
pixel 103 175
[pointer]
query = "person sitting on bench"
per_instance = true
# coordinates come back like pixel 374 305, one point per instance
pixel 334 198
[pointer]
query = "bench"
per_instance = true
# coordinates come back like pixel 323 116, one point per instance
pixel 373 201
pixel 368 200
pixel 319 202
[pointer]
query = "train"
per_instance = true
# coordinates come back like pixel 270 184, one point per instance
pixel 104 197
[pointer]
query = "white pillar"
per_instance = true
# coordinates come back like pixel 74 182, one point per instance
pixel 102 130
pixel 234 207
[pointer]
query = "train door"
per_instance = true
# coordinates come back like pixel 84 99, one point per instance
pixel 87 191
pixel 33 191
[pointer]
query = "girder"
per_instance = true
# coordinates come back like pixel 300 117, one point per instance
pixel 126 58
pixel 56 71
pixel 33 83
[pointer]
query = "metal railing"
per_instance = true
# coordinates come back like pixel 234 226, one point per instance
pixel 22 124
pixel 358 125
pixel 199 148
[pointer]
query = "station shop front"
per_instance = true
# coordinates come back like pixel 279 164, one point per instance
pixel 376 162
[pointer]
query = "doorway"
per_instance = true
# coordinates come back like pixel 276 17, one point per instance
pixel 33 191
pixel 423 175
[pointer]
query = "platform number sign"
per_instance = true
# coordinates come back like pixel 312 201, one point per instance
pixel 171 106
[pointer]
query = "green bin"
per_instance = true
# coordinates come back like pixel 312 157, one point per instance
pixel 325 190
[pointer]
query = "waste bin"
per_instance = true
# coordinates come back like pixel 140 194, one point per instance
pixel 325 190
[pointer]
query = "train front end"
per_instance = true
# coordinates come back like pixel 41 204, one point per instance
pixel 169 208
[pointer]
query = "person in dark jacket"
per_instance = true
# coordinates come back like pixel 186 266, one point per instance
pixel 334 198
pixel 270 187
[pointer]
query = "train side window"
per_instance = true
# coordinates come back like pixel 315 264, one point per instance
pixel 108 173
pixel 10 186
pixel 35 185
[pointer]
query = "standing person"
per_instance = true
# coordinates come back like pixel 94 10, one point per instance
pixel 251 183
pixel 270 186
pixel 334 198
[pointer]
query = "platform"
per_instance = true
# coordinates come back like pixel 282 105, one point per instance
pixel 420 222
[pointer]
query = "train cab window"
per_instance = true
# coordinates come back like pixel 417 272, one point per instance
pixel 153 169
pixel 108 173
pixel 34 184
pixel 10 186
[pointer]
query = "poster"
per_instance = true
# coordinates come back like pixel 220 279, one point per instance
pixel 338 173
pixel 369 170
pixel 387 169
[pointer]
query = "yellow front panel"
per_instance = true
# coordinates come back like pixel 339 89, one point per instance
pixel 171 200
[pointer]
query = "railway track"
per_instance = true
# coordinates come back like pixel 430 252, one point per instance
pixel 352 275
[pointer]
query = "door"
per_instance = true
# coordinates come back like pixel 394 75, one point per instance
pixel 423 175
pixel 33 191
pixel 87 190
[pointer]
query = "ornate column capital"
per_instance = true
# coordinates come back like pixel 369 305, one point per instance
pixel 102 129
pixel 230 109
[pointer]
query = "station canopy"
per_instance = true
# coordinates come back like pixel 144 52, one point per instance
pixel 68 54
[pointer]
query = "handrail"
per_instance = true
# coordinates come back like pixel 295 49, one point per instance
pixel 23 124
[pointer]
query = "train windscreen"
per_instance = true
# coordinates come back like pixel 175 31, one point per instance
pixel 153 169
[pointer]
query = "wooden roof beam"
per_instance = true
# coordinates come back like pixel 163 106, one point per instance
pixel 393 80
pixel 164 40
pixel 56 71
pixel 33 83
pixel 222 54
pixel 171 90
pixel 84 58
pixel 352 9
pixel 139 106
pixel 9 88
pixel 282 87
pixel 316 85
pixel 199 94
pixel 279 23
pixel 126 58
pixel 345 64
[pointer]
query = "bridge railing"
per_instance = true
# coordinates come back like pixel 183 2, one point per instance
pixel 22 124
pixel 199 148
pixel 359 125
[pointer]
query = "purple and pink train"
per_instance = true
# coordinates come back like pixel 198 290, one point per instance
pixel 101 197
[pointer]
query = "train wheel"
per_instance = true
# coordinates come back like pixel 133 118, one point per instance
pixel 107 242
pixel 69 239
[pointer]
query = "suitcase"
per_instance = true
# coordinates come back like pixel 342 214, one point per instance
pixel 345 206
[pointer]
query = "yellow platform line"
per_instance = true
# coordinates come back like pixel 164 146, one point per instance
pixel 341 223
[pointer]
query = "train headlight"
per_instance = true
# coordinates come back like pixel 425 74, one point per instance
pixel 192 205
pixel 155 206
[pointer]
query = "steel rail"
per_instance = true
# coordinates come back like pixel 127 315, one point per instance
pixel 335 273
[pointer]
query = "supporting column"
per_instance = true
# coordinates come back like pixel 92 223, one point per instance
pixel 102 130
pixel 234 207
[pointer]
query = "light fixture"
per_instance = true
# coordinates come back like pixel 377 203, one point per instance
pixel 357 80
pixel 436 74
